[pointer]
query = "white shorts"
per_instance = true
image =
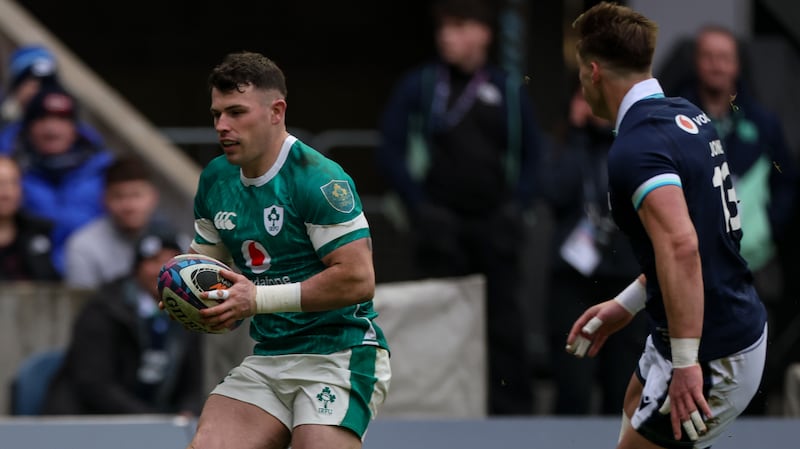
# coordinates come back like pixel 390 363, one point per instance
pixel 729 384
pixel 340 389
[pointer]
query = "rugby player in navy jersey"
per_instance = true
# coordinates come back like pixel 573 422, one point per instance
pixel 670 191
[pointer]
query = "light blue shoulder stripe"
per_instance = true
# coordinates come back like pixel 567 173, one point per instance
pixel 666 179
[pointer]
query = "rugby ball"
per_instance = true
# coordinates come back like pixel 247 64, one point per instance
pixel 180 283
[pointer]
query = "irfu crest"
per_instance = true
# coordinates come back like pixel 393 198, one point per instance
pixel 339 195
pixel 326 396
pixel 273 219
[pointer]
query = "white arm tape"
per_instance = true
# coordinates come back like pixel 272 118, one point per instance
pixel 278 298
pixel 633 298
pixel 684 351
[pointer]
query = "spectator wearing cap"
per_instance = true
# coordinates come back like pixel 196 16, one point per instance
pixel 100 250
pixel 125 355
pixel 25 244
pixel 63 173
pixel 31 68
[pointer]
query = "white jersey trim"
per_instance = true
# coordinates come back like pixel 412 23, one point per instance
pixel 639 91
pixel 321 235
pixel 276 167
pixel 205 229
pixel 653 183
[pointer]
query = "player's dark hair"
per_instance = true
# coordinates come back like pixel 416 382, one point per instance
pixel 241 69
pixel 616 35
pixel 127 168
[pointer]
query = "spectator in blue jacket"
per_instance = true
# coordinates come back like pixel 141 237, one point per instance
pixel 459 146
pixel 63 173
pixel 31 68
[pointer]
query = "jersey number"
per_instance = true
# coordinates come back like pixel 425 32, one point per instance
pixel 727 194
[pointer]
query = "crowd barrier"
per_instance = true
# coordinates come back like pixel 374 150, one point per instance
pixel 435 328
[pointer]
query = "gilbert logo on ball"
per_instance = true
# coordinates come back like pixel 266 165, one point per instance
pixel 180 283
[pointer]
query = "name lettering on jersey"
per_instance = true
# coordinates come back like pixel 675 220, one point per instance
pixel 224 220
pixel 687 124
pixel 339 195
pixel 716 148
pixel 272 281
pixel 273 219
pixel 701 119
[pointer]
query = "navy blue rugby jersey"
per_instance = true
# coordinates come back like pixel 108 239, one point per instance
pixel 669 141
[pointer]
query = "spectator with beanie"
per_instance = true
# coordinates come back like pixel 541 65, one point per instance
pixel 25 243
pixel 31 68
pixel 459 146
pixel 101 250
pixel 125 354
pixel 63 173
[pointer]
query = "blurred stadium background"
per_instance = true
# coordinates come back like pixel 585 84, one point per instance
pixel 139 70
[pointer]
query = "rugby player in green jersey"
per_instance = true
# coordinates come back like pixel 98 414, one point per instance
pixel 291 222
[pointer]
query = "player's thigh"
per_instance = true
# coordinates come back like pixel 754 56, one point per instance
pixel 314 436
pixel 635 440
pixel 227 423
pixel 632 396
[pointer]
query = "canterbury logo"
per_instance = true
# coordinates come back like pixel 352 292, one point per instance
pixel 224 220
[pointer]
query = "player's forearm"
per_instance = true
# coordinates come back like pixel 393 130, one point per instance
pixel 338 286
pixel 681 280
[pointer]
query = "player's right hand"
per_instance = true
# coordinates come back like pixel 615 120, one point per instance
pixel 238 302
pixel 591 330
pixel 686 403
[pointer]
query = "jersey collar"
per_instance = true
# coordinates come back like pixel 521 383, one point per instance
pixel 649 88
pixel 276 167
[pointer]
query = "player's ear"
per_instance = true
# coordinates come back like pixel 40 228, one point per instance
pixel 278 109
pixel 595 72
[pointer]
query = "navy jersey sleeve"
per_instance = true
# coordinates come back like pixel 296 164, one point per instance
pixel 640 165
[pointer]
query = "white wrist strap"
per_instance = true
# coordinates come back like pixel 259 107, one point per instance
pixel 633 298
pixel 684 351
pixel 278 298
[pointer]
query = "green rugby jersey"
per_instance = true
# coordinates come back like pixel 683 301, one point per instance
pixel 277 227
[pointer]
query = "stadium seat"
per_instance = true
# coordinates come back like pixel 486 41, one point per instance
pixel 30 384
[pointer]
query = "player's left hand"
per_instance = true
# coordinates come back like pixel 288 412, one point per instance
pixel 593 328
pixel 238 302
pixel 686 402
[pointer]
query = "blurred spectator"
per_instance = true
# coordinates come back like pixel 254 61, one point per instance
pixel 125 355
pixel 591 262
pixel 102 250
pixel 31 68
pixel 761 164
pixel 62 172
pixel 460 146
pixel 25 242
